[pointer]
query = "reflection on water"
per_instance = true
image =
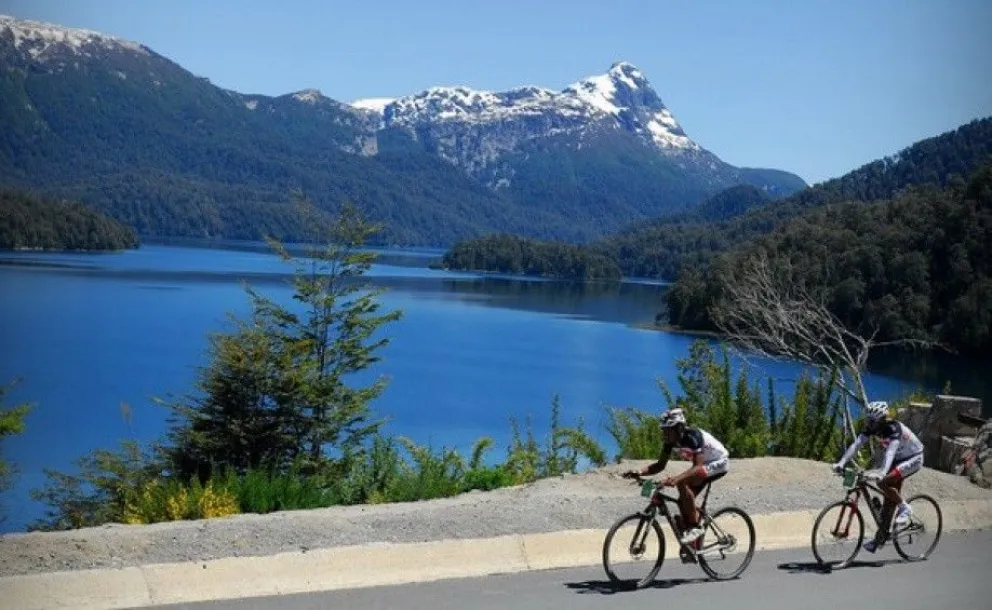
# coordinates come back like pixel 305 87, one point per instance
pixel 401 257
pixel 606 302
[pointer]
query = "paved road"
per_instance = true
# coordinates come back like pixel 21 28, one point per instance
pixel 957 576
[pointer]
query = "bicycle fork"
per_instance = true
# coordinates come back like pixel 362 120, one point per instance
pixel 842 529
pixel 637 542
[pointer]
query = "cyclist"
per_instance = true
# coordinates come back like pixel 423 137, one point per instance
pixel 710 461
pixel 903 459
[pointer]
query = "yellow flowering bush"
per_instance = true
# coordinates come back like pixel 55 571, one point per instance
pixel 217 503
pixel 153 502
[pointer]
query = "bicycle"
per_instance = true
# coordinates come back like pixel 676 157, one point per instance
pixel 903 537
pixel 723 542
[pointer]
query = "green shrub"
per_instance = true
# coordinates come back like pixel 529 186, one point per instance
pixel 636 433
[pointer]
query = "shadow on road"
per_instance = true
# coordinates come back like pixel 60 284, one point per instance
pixel 607 587
pixel 813 567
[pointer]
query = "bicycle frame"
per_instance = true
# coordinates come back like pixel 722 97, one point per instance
pixel 854 494
pixel 658 505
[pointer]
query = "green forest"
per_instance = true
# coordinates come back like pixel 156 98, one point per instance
pixel 510 254
pixel 916 266
pixel 31 222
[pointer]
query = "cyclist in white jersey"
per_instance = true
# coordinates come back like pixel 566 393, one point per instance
pixel 903 459
pixel 710 461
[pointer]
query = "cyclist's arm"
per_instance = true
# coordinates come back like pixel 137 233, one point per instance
pixel 658 466
pixel 893 437
pixel 890 454
pixel 858 442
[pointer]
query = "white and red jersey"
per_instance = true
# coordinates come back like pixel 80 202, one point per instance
pixel 892 431
pixel 695 441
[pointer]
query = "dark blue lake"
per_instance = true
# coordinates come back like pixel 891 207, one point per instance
pixel 88 332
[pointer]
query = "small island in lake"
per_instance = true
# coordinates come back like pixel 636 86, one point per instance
pixel 502 253
pixel 30 222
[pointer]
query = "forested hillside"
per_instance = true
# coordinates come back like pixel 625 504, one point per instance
pixel 662 248
pixel 918 265
pixel 30 222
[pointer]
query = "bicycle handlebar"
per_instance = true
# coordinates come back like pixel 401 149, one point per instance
pixel 639 480
pixel 859 473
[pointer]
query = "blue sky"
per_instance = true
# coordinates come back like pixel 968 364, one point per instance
pixel 814 87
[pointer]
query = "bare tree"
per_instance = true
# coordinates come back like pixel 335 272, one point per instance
pixel 766 310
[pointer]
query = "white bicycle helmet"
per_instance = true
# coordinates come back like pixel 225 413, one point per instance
pixel 877 410
pixel 672 418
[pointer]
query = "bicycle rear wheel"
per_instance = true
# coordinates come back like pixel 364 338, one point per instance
pixel 728 533
pixel 832 533
pixel 636 549
pixel 912 541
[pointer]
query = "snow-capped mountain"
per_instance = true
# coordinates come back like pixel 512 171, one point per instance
pixel 488 134
pixel 113 123
pixel 622 96
pixel 474 128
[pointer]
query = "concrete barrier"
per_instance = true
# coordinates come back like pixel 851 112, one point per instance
pixel 379 564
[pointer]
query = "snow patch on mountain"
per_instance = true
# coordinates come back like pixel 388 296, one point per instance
pixel 596 91
pixel 374 104
pixel 308 96
pixel 39 38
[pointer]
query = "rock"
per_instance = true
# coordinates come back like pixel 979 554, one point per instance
pixel 942 421
pixel 943 418
pixel 914 416
pixel 951 451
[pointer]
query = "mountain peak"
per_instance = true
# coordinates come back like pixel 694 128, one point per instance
pixel 308 96
pixel 621 87
pixel 40 39
pixel 628 74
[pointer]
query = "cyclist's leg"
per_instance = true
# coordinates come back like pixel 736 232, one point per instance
pixel 891 486
pixel 688 489
pixel 691 488
pixel 894 481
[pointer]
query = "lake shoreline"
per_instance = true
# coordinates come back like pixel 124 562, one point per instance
pixel 670 328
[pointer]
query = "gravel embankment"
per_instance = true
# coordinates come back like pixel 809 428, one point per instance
pixel 588 500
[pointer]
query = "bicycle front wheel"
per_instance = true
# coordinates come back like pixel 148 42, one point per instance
pixel 635 543
pixel 727 541
pixel 838 532
pixel 918 538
